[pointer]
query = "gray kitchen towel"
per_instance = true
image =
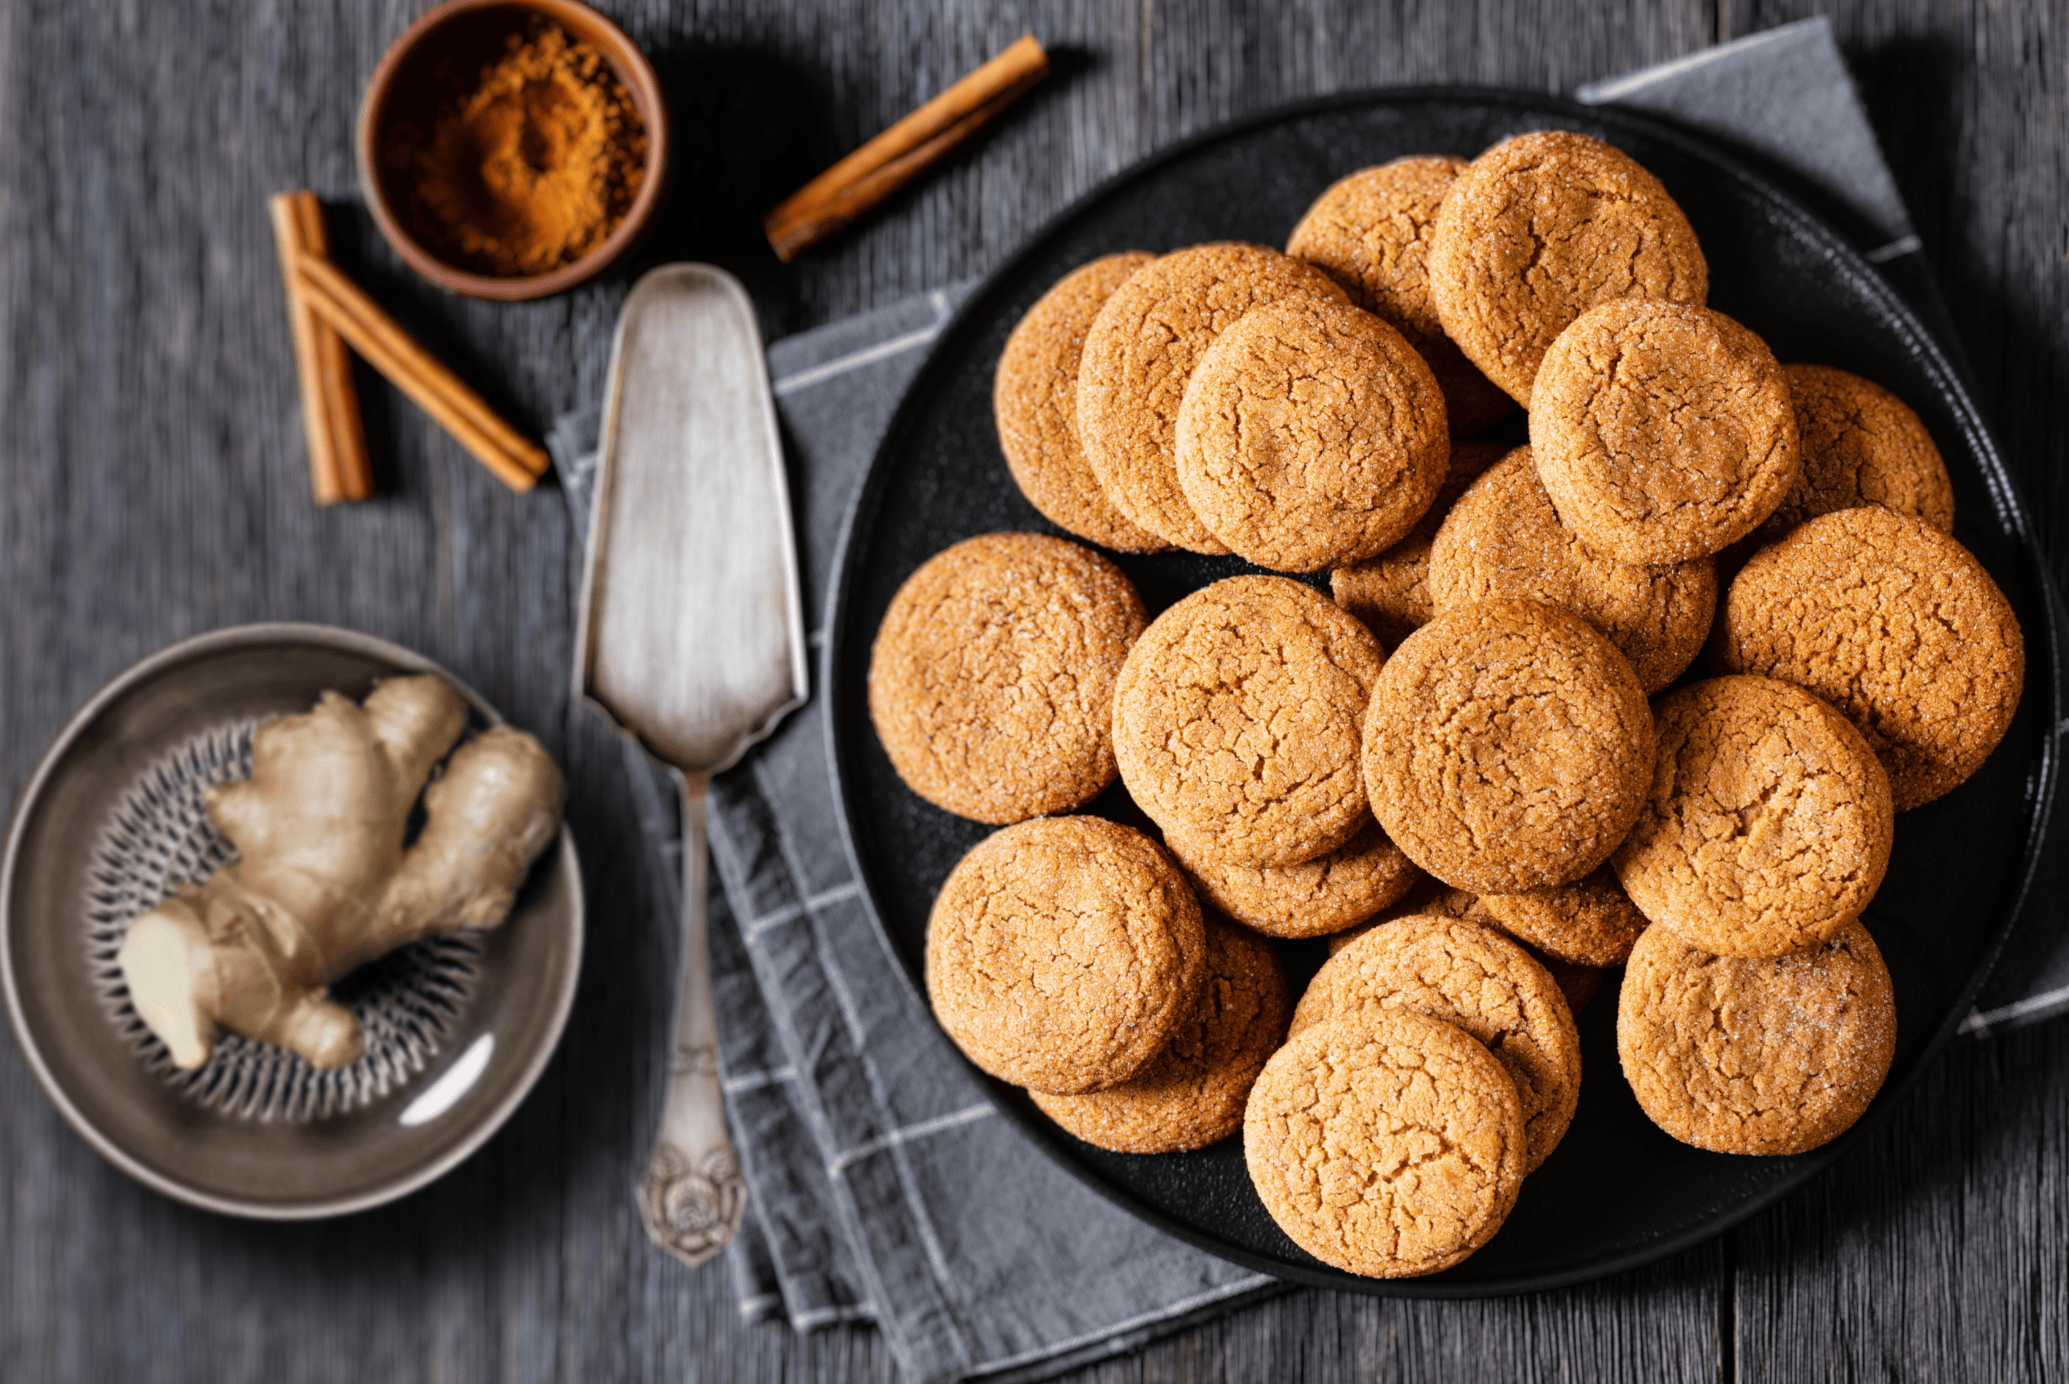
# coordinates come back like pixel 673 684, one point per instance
pixel 885 1188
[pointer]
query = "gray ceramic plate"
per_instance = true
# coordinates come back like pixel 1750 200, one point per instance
pixel 457 1029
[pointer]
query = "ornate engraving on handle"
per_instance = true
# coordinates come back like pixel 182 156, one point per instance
pixel 692 1209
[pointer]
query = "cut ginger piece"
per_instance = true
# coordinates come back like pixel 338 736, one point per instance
pixel 323 883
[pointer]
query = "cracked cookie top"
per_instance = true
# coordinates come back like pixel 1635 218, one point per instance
pixel 1063 953
pixel 1312 899
pixel 1311 434
pixel 1192 1094
pixel 1139 352
pixel 1390 593
pixel 1662 432
pixel 1504 539
pixel 1034 398
pixel 1539 229
pixel 1237 720
pixel 1508 747
pixel 1756 1055
pixel 1371 233
pixel 1590 922
pixel 991 679
pixel 1456 970
pixel 1861 445
pixel 1389 1148
pixel 1769 823
pixel 1895 624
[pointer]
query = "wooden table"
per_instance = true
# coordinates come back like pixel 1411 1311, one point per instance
pixel 156 488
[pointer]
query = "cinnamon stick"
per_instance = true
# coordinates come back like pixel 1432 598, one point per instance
pixel 334 370
pixel 326 479
pixel 514 459
pixel 898 155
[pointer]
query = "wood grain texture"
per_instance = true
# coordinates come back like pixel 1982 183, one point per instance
pixel 157 488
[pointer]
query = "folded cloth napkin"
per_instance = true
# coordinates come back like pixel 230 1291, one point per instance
pixel 884 1187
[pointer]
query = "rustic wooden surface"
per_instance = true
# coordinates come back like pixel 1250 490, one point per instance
pixel 155 487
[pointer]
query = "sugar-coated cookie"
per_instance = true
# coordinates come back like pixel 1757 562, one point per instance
pixel 1470 975
pixel 1390 1149
pixel 1312 899
pixel 1769 823
pixel 1503 539
pixel 1756 1054
pixel 1311 434
pixel 1895 624
pixel 991 679
pixel 1590 922
pixel 1064 953
pixel 1390 593
pixel 1662 432
pixel 1508 747
pixel 1861 445
pixel 1237 720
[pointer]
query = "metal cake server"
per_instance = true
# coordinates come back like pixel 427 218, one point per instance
pixel 691 642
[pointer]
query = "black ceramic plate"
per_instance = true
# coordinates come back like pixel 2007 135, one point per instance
pixel 1617 1192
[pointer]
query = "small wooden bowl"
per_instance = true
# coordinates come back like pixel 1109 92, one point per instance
pixel 430 64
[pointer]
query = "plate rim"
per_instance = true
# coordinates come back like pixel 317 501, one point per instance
pixel 2012 515
pixel 216 641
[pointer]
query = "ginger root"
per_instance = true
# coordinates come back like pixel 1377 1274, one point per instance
pixel 322 883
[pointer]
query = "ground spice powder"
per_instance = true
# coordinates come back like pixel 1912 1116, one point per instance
pixel 535 165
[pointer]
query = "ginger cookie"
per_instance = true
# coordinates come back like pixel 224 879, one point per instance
pixel 1391 1149
pixel 1769 823
pixel 1192 1094
pixel 1508 747
pixel 1371 233
pixel 1237 720
pixel 1662 432
pixel 1503 539
pixel 1861 445
pixel 1034 397
pixel 1539 229
pixel 1064 953
pixel 1456 970
pixel 1756 1055
pixel 1139 352
pixel 1310 434
pixel 1588 923
pixel 1311 899
pixel 1390 593
pixel 1895 624
pixel 991 679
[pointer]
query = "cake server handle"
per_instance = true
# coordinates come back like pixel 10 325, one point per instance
pixel 691 1195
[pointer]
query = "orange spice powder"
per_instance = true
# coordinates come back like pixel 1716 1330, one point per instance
pixel 536 165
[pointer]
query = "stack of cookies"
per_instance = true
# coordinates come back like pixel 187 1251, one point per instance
pixel 1529 789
